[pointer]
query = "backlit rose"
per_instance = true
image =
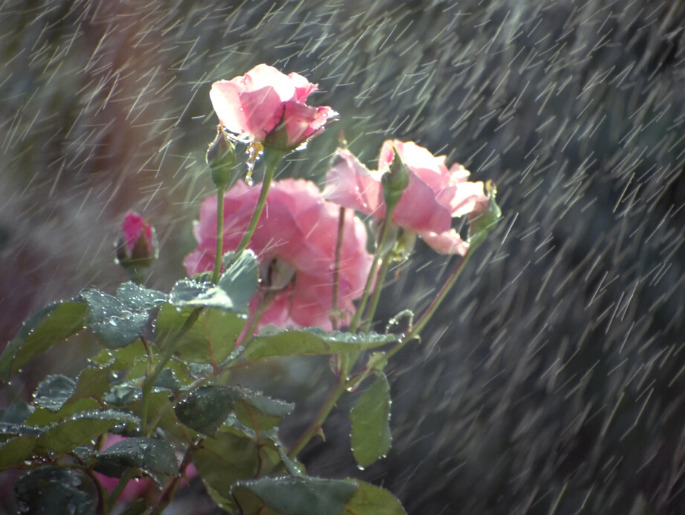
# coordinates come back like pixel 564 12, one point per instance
pixel 434 196
pixel 295 241
pixel 269 107
pixel 137 246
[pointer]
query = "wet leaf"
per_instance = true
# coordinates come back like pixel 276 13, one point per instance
pixel 210 340
pixel 233 291
pixel 370 417
pixel 17 413
pixel 81 429
pixel 53 392
pixel 258 411
pixel 114 323
pixel 61 490
pixel 373 500
pixel 223 459
pixel 312 341
pixel 16 450
pixel 139 298
pixel 294 495
pixel 53 324
pixel 151 455
pixel 206 408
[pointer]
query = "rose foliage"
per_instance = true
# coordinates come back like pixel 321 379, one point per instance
pixel 280 270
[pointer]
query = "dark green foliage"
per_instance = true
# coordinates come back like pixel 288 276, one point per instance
pixel 56 490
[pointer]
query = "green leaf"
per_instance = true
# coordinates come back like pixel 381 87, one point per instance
pixel 139 298
pixel 312 341
pixel 46 417
pixel 53 324
pixel 93 382
pixel 151 455
pixel 294 495
pixel 232 292
pixel 9 430
pixel 53 392
pixel 370 417
pixel 211 339
pixel 114 322
pixel 373 500
pixel 206 408
pixel 56 490
pixel 258 411
pixel 16 450
pixel 241 279
pixel 81 429
pixel 223 459
pixel 17 413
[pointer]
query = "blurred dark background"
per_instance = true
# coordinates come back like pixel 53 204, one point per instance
pixel 552 381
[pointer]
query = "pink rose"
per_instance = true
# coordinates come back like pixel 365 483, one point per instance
pixel 295 241
pixel 434 196
pixel 137 246
pixel 269 107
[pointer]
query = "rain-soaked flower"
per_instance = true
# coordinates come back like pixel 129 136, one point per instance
pixel 137 246
pixel 434 195
pixel 295 242
pixel 268 107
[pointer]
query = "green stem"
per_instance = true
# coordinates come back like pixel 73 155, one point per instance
pixel 151 378
pixel 385 265
pixel 255 318
pixel 271 160
pixel 433 307
pixel 325 410
pixel 118 489
pixel 354 325
pixel 336 268
pixel 221 190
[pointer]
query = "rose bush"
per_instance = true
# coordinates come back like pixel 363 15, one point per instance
pixel 295 242
pixel 434 196
pixel 269 107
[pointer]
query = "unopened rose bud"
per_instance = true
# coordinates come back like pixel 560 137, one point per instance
pixel 484 218
pixel 137 247
pixel 395 181
pixel 221 160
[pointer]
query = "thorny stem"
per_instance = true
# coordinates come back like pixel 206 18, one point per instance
pixel 170 490
pixel 354 325
pixel 336 268
pixel 344 383
pixel 271 160
pixel 118 489
pixel 221 190
pixel 385 265
pixel 151 378
pixel 251 327
pixel 434 305
pixel 325 410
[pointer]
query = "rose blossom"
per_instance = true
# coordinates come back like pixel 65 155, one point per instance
pixel 137 246
pixel 269 107
pixel 434 196
pixel 295 242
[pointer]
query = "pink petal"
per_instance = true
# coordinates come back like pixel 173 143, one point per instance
pixel 447 242
pixel 351 185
